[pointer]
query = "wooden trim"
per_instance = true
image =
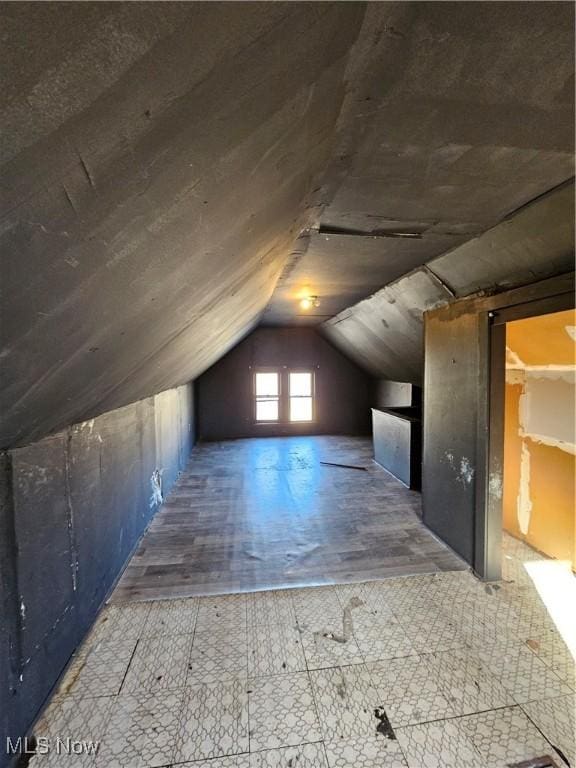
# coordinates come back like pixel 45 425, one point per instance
pixel 533 308
pixel 255 372
pixel 312 394
pixel 523 303
pixel 488 526
pixel 544 289
pixel 552 295
pixel 283 372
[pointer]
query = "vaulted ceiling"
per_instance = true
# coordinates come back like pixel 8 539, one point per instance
pixel 174 173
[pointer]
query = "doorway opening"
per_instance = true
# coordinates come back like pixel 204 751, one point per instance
pixel 539 457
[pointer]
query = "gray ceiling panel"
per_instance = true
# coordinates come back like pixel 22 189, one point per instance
pixel 173 172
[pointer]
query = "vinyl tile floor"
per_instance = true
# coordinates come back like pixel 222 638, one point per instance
pixel 266 513
pixel 424 671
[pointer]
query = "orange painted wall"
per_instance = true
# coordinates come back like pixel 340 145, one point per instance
pixel 543 340
pixel 552 526
pixel 552 493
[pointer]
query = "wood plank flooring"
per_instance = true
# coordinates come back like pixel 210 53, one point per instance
pixel 266 514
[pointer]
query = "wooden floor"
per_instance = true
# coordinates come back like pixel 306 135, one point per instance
pixel 265 513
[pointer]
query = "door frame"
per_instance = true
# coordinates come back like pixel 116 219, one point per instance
pixel 545 297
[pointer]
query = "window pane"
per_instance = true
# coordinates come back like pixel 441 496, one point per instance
pixel 300 384
pixel 267 410
pixel 267 384
pixel 301 408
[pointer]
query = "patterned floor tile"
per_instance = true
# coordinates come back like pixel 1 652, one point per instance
pixel 346 701
pixel 368 752
pixel 365 617
pixel 98 670
pixel 323 651
pixel 76 718
pixel 371 599
pixel 402 602
pixel 408 691
pixel 274 649
pixel 441 744
pixel 466 684
pixel 504 736
pixel 271 608
pixel 521 672
pixel 318 608
pixel 221 613
pixel 530 620
pixel 431 631
pixel 236 761
pixel 554 652
pixel 383 641
pixel 418 611
pixel 302 756
pixel 556 718
pixel 218 656
pixel 214 721
pixel 367 591
pixel 171 617
pixel 120 622
pixel 159 663
pixel 484 649
pixel 452 587
pixel 282 712
pixel 142 731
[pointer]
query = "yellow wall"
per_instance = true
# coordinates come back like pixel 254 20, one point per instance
pixel 552 528
pixel 543 340
pixel 550 524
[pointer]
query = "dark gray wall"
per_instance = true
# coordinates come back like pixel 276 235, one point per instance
pixel 72 507
pixel 396 394
pixel 455 115
pixel 462 473
pixel 160 162
pixel 157 164
pixel 383 333
pixel 397 445
pixel 225 405
pixel 452 397
pixel 463 414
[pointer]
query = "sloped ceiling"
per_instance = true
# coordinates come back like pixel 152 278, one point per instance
pixel 456 115
pixel 172 170
pixel 384 333
pixel 156 164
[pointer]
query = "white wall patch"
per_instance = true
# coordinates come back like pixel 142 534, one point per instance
pixel 524 503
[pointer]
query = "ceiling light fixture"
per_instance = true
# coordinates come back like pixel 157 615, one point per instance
pixel 309 301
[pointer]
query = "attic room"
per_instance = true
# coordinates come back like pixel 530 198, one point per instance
pixel 288 366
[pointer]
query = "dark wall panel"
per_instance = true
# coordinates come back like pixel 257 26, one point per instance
pixel 11 720
pixel 397 445
pixel 72 508
pixel 396 394
pixel 452 397
pixel 42 516
pixel 225 408
pixel 383 334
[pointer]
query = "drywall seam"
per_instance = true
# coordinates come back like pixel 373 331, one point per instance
pixel 546 410
pixel 553 368
pixel 550 441
pixel 524 503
